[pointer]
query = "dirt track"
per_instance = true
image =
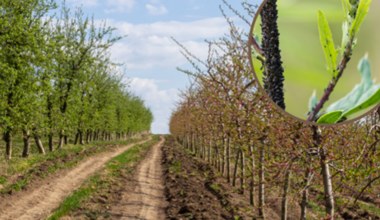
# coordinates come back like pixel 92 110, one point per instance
pixel 39 202
pixel 146 200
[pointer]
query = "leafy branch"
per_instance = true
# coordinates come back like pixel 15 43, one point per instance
pixel 356 12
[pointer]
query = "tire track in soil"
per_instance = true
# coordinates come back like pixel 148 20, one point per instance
pixel 146 200
pixel 38 203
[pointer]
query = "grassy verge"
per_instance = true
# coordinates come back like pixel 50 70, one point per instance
pixel 21 171
pixel 115 168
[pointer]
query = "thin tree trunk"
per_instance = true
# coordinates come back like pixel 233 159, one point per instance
pixel 285 192
pixel 81 142
pixel 242 171
pixel 39 144
pixel 252 178
pixel 8 144
pixel 228 169
pixel 51 145
pixel 261 181
pixel 76 138
pixel 61 141
pixel 305 192
pixel 25 138
pixel 235 168
pixel 327 184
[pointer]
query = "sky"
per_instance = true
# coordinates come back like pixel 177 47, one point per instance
pixel 148 53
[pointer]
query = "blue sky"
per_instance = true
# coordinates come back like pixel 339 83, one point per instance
pixel 149 55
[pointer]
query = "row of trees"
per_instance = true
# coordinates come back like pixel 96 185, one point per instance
pixel 226 119
pixel 57 79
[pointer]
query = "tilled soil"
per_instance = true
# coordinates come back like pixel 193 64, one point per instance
pixel 194 191
pixel 39 201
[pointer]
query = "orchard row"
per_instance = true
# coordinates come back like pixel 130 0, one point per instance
pixel 57 80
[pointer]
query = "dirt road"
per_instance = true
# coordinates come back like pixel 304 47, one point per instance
pixel 144 198
pixel 39 202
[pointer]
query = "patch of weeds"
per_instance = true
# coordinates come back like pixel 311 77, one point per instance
pixel 175 167
pixel 316 209
pixel 370 208
pixel 3 179
pixel 75 199
pixel 215 187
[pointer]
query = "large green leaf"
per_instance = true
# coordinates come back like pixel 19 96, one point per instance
pixel 327 43
pixel 362 96
pixel 370 98
pixel 330 118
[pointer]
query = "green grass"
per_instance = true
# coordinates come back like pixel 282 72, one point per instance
pixel 371 208
pixel 317 210
pixel 175 167
pixel 27 167
pixel 102 179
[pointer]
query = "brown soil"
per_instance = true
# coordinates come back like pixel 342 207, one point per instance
pixel 195 192
pixel 40 199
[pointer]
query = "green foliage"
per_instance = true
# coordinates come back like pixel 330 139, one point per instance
pixel 57 77
pixel 360 13
pixel 327 42
pixel 361 97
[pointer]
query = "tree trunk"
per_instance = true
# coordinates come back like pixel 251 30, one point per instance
pixel 51 145
pixel 327 184
pixel 25 138
pixel 61 141
pixel 76 138
pixel 39 144
pixel 285 192
pixel 228 169
pixel 261 182
pixel 81 142
pixel 8 144
pixel 242 171
pixel 235 167
pixel 305 192
pixel 252 178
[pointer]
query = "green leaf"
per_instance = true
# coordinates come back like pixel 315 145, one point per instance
pixel 313 101
pixel 330 118
pixel 327 43
pixel 361 13
pixel 369 99
pixel 362 96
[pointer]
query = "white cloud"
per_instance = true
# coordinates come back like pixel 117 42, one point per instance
pixel 148 48
pixel 160 101
pixel 156 9
pixel 149 45
pixel 119 5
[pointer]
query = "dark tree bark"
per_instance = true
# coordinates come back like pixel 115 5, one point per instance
pixel 273 74
pixel 8 144
pixel 25 138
